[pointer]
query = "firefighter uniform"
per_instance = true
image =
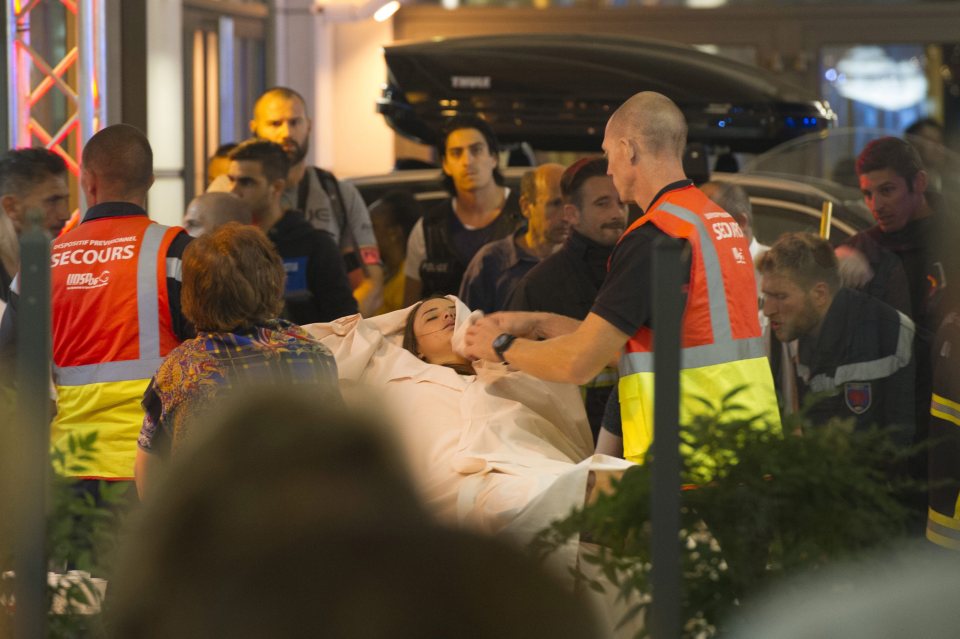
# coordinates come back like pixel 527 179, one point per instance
pixel 943 515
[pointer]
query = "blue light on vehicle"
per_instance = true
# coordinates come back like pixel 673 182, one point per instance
pixel 791 122
pixel 722 123
pixel 830 75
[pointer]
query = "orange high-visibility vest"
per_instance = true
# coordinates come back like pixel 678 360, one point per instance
pixel 721 346
pixel 111 329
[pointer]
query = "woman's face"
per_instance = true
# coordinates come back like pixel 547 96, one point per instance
pixel 433 327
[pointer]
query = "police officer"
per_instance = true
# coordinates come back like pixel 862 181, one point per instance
pixel 644 142
pixel 330 205
pixel 480 210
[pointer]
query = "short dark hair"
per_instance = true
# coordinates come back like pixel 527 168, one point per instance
pixel 121 156
pixel 805 257
pixel 465 121
pixel 223 151
pixel 22 169
pixel 891 153
pixel 576 175
pixel 273 160
pixel 232 277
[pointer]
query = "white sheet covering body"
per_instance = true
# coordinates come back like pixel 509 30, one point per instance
pixel 501 451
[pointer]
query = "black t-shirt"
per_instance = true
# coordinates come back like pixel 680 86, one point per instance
pixel 626 297
pixel 581 264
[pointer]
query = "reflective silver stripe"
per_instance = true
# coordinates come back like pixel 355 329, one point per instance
pixel 175 268
pixel 107 372
pixel 943 531
pixel 948 412
pixel 873 369
pixel 719 315
pixel 698 356
pixel 148 318
pixel 148 297
pixel 724 348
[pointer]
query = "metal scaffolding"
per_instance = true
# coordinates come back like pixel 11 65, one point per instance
pixel 69 59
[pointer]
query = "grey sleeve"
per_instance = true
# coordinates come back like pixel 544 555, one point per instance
pixel 358 219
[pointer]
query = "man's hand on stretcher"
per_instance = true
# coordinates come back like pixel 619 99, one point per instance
pixel 573 353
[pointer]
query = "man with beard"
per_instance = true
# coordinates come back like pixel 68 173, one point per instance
pixel 722 350
pixel 590 198
pixel 316 288
pixel 910 242
pixel 853 350
pixel 280 116
pixel 498 266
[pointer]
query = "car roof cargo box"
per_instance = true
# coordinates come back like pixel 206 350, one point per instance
pixel 556 92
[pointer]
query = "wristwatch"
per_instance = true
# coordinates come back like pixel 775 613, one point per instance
pixel 502 343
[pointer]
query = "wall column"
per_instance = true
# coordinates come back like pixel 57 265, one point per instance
pixel 165 108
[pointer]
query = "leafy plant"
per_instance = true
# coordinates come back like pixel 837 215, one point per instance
pixel 81 533
pixel 758 504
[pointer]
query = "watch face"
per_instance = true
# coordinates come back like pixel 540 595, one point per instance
pixel 502 343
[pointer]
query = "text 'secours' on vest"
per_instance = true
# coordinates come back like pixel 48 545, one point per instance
pixel 721 345
pixel 111 329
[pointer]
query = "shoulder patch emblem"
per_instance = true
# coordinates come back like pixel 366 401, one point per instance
pixel 858 396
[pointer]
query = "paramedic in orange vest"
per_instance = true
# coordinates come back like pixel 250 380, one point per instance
pixel 116 304
pixel 721 344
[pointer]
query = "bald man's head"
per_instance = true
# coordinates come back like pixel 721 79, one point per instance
pixel 654 120
pixel 121 160
pixel 208 211
pixel 541 202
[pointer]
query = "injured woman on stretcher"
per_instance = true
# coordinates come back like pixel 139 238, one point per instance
pixel 489 448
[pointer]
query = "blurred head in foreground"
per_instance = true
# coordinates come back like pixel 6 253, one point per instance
pixel 295 519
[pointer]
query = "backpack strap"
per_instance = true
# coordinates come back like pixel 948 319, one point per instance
pixel 331 186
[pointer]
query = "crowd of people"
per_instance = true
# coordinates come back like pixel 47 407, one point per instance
pixel 281 278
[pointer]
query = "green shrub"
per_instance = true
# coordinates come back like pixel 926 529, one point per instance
pixel 757 505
